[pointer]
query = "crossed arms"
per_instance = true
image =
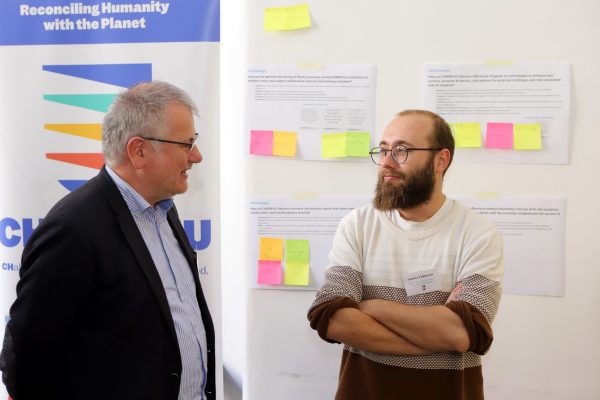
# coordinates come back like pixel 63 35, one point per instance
pixel 389 327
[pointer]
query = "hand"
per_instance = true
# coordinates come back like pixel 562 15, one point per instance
pixel 455 293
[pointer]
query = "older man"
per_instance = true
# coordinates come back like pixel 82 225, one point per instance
pixel 109 304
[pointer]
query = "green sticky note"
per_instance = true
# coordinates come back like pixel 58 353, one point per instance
pixel 286 18
pixel 296 273
pixel 297 250
pixel 347 144
pixel 333 145
pixel 466 134
pixel 358 144
pixel 528 136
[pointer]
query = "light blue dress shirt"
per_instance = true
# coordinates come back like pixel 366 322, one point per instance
pixel 178 282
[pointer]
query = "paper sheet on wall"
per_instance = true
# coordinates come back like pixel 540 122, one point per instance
pixel 311 103
pixel 500 98
pixel 533 231
pixel 305 227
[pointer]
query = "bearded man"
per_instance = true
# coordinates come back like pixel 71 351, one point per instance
pixel 414 279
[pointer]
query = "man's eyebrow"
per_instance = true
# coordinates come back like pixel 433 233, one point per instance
pixel 395 143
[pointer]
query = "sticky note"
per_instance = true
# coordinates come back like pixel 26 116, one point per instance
pixel 261 143
pixel 296 273
pixel 269 272
pixel 499 135
pixel 284 144
pixel 358 144
pixel 347 144
pixel 528 136
pixel 466 134
pixel 286 18
pixel 333 145
pixel 271 249
pixel 297 250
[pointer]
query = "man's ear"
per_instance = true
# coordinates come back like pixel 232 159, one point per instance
pixel 137 151
pixel 442 160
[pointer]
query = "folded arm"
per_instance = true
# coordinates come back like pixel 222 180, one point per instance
pixel 433 328
pixel 340 321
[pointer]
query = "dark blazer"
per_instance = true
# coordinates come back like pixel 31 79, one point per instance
pixel 91 319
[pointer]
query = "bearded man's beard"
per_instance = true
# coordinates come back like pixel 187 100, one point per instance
pixel 412 190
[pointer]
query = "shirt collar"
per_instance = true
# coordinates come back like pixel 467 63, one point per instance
pixel 135 202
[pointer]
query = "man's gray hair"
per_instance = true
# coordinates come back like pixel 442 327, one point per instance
pixel 139 111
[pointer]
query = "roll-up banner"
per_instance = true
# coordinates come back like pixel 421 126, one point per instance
pixel 61 65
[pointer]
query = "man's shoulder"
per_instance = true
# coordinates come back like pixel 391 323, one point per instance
pixel 88 200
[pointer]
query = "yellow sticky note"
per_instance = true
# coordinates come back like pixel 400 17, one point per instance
pixel 333 145
pixel 284 144
pixel 286 18
pixel 358 144
pixel 271 249
pixel 487 195
pixel 466 134
pixel 296 273
pixel 528 136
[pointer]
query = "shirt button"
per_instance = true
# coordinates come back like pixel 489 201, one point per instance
pixel 174 378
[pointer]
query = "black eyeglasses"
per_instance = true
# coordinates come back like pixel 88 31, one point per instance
pixel 189 145
pixel 399 153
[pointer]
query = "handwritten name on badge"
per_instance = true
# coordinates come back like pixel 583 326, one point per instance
pixel 421 282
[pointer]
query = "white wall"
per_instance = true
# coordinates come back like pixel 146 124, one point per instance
pixel 544 348
pixel 233 58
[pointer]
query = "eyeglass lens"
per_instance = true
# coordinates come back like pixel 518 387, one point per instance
pixel 399 154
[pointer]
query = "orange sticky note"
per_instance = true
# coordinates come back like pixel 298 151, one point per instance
pixel 271 249
pixel 284 144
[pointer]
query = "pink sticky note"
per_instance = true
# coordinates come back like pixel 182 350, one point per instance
pixel 499 135
pixel 261 143
pixel 269 272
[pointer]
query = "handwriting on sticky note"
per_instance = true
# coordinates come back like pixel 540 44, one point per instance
pixel 284 144
pixel 271 249
pixel 358 144
pixel 347 144
pixel 297 250
pixel 333 145
pixel 528 136
pixel 296 273
pixel 269 272
pixel 286 18
pixel 499 135
pixel 466 134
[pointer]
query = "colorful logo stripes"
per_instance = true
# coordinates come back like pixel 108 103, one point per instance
pixel 121 75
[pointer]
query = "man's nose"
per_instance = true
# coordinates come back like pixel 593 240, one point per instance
pixel 195 155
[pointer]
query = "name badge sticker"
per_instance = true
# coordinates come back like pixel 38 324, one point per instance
pixel 422 282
